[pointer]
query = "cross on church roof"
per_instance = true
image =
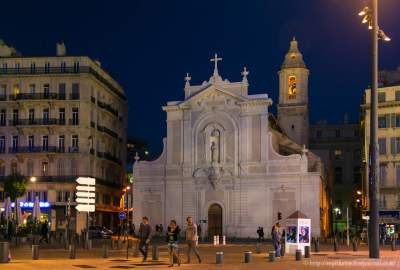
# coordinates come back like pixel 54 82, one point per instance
pixel 215 60
pixel 245 73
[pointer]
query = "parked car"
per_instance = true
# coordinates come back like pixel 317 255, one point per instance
pixel 99 232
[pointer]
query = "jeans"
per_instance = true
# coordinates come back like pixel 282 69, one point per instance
pixel 192 247
pixel 277 249
pixel 143 248
pixel 173 253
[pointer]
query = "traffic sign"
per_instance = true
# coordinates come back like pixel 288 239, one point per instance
pixel 85 200
pixel 122 215
pixel 86 196
pixel 85 188
pixel 85 207
pixel 86 181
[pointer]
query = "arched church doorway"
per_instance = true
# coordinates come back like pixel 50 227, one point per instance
pixel 214 220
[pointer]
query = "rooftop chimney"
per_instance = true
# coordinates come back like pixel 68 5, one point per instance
pixel 61 50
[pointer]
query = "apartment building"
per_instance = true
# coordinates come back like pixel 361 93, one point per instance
pixel 62 117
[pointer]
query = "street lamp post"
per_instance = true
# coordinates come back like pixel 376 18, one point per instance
pixel 370 16
pixel 373 179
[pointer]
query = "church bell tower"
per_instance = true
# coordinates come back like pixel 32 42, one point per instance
pixel 293 96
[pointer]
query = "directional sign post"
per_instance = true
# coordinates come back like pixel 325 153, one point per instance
pixel 86 198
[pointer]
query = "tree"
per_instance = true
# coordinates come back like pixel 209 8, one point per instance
pixel 15 185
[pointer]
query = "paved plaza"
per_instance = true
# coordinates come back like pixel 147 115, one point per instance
pixel 57 258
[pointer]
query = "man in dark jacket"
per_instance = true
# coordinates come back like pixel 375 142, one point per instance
pixel 145 233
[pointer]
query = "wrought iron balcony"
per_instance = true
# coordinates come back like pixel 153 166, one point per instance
pixel 37 96
pixel 73 122
pixel 61 70
pixel 34 149
pixel 107 107
pixel 107 131
pixel 74 96
pixel 34 122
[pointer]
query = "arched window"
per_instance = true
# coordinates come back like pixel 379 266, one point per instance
pixel 29 167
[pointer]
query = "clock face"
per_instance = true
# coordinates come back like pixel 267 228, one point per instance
pixel 292 86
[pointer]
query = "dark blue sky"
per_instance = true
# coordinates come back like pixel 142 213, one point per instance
pixel 148 46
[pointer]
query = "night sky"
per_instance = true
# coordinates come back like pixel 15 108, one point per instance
pixel 148 46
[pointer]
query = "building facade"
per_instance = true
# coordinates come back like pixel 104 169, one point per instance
pixel 340 146
pixel 389 149
pixel 62 117
pixel 224 164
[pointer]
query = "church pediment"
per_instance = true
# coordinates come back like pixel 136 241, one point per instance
pixel 213 93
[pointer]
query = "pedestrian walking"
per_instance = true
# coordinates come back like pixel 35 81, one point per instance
pixel 258 233
pixel 145 233
pixel 44 232
pixel 172 242
pixel 191 238
pixel 276 240
pixel 262 233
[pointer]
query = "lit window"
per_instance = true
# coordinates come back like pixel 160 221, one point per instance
pixel 292 87
pixel 338 153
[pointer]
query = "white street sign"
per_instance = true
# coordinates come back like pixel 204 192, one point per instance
pixel 86 181
pixel 85 194
pixel 85 200
pixel 85 207
pixel 86 188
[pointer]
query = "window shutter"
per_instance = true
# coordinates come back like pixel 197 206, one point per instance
pixel 393 145
pixel 393 120
pixel 387 120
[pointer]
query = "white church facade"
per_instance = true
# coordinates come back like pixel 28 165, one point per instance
pixel 228 165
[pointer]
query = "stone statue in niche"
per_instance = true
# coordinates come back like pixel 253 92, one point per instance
pixel 215 142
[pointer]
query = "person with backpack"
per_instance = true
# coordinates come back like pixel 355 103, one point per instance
pixel 172 242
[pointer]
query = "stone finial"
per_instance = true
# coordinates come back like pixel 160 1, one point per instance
pixel 187 80
pixel 304 150
pixel 136 157
pixel 245 73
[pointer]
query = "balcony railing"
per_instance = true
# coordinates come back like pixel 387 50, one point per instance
pixel 108 156
pixel 70 70
pixel 42 149
pixel 107 131
pixel 73 122
pixel 37 96
pixel 74 96
pixel 35 122
pixel 107 107
pixel 93 99
pixel 71 179
pixel 3 97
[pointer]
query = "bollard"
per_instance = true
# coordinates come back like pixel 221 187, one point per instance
pixel 217 240
pixel 219 257
pixel 105 250
pixel 335 245
pixel 35 252
pixel 223 240
pixel 89 244
pixel 247 256
pixel 4 252
pixel 316 245
pixel 72 251
pixel 258 248
pixel 298 254
pixel 307 252
pixel 355 246
pixel 272 256
pixel 154 253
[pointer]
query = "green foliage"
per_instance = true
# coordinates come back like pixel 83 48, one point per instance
pixel 15 185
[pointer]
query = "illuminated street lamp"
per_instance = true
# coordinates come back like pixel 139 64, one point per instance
pixel 33 179
pixel 370 16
